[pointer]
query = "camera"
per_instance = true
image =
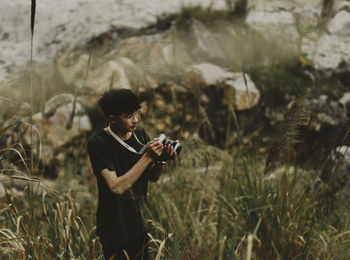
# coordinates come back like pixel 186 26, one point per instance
pixel 176 145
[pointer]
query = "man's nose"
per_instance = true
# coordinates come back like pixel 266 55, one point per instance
pixel 135 119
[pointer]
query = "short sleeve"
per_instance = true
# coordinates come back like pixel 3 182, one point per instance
pixel 100 157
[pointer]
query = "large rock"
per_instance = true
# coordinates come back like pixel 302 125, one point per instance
pixel 63 120
pixel 326 112
pixel 335 175
pixel 66 24
pixel 206 46
pixel 246 93
pixel 273 22
pixel 345 101
pixel 208 74
pixel 332 48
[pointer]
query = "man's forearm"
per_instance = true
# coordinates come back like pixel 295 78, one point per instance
pixel 122 183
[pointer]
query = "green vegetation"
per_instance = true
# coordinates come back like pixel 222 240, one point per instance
pixel 211 204
pixel 206 207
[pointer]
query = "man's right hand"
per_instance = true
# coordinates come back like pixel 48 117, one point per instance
pixel 155 149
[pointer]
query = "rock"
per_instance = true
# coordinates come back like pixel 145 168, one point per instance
pixel 339 25
pixel 66 24
pixel 335 175
pixel 135 48
pixel 57 101
pixel 109 74
pixel 208 74
pixel 343 5
pixel 57 127
pixel 326 112
pixel 345 101
pixel 206 46
pixel 307 17
pixel 246 93
pixel 71 69
pixel 331 49
pixel 118 73
pixel 17 186
pixel 273 22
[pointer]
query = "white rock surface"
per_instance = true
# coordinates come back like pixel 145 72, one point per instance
pixel 246 93
pixel 65 24
pixel 332 48
pixel 210 74
pixel 340 24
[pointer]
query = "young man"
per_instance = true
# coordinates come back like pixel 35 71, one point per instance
pixel 122 173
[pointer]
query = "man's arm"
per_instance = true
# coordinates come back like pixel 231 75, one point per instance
pixel 119 184
pixel 156 170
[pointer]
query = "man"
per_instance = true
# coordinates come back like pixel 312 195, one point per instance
pixel 122 173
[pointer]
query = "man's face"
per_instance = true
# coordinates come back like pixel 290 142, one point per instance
pixel 125 122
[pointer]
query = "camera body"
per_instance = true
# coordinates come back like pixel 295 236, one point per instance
pixel 176 145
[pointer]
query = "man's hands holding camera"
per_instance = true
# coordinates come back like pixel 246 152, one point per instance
pixel 158 152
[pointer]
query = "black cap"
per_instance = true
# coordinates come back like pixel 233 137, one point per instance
pixel 117 101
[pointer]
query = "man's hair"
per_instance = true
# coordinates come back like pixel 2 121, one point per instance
pixel 117 101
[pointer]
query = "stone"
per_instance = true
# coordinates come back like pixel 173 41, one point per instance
pixel 71 69
pixel 205 42
pixel 109 74
pixel 326 112
pixel 343 5
pixel 208 74
pixel 340 24
pixel 335 174
pixel 307 19
pixel 58 126
pixel 274 22
pixel 246 94
pixel 331 49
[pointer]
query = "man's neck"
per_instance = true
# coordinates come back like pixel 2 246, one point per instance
pixel 122 135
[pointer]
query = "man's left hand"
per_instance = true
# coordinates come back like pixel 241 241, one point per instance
pixel 168 153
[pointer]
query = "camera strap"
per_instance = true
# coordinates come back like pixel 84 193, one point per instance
pixel 131 149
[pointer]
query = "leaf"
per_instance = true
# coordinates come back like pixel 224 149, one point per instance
pixel 32 16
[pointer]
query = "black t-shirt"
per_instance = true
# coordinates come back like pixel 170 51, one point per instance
pixel 119 217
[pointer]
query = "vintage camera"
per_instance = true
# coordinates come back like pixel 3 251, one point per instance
pixel 176 145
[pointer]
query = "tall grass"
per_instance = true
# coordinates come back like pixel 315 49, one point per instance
pixel 210 205
pixel 240 213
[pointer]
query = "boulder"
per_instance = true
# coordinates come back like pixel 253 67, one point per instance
pixel 273 22
pixel 307 19
pixel 330 50
pixel 343 5
pixel 326 112
pixel 335 174
pixel 71 68
pixel 246 93
pixel 339 25
pixel 345 101
pixel 205 44
pixel 115 73
pixel 208 74
pixel 63 120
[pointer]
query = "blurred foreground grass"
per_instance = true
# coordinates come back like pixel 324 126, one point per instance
pixel 207 206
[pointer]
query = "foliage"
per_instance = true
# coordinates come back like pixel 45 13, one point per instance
pixel 227 213
pixel 278 81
